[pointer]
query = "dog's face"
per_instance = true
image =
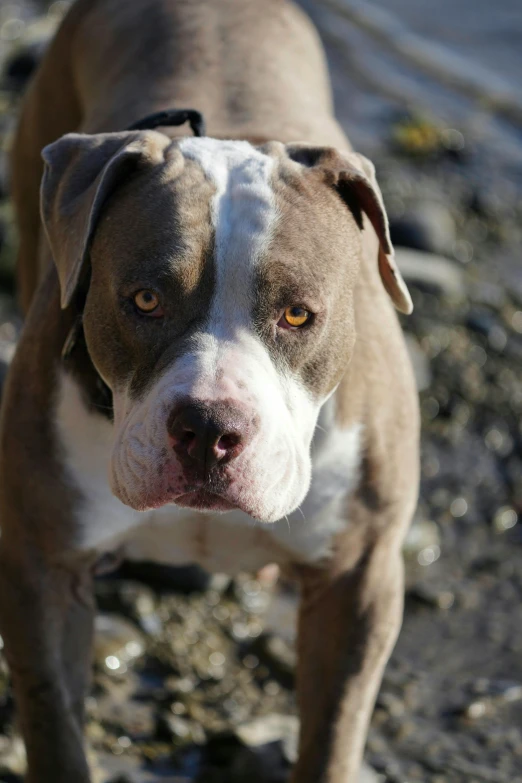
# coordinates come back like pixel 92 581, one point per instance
pixel 219 309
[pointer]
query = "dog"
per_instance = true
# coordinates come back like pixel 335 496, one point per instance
pixel 211 369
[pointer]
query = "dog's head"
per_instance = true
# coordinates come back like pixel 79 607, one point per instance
pixel 220 305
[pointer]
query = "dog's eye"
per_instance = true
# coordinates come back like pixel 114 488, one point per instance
pixel 147 302
pixel 294 318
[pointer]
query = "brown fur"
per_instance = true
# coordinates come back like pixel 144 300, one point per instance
pixel 255 71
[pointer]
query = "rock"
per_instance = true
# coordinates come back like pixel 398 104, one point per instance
pixel 21 65
pixel 259 764
pixel 481 321
pixel 25 56
pixel 279 656
pixel 415 135
pixel 117 644
pixel 135 721
pixel 125 769
pixel 369 775
pixel 431 273
pixel 431 596
pixel 12 758
pixel 490 696
pixel 178 729
pixel 504 519
pixel 272 728
pixel 428 227
pixel 133 599
pixel 261 751
pixel 422 538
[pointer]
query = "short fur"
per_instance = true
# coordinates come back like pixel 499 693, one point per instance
pixel 309 228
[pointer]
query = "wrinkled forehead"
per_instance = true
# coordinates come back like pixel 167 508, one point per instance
pixel 261 196
pixel 243 212
pixel 244 208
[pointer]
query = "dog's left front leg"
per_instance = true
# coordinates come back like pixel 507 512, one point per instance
pixel 349 618
pixel 46 613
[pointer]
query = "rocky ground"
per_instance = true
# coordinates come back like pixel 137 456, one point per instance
pixel 193 677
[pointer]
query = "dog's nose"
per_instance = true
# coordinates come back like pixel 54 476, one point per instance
pixel 208 434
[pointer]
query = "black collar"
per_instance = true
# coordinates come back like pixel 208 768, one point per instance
pixel 172 117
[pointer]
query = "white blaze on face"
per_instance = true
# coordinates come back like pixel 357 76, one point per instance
pixel 243 213
pixel 226 360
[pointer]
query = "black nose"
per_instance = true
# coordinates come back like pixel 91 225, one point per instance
pixel 207 434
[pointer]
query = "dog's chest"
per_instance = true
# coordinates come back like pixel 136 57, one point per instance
pixel 219 542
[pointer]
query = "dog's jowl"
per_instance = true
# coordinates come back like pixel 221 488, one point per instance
pixel 211 351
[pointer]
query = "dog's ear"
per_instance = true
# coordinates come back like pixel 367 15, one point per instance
pixel 81 171
pixel 353 176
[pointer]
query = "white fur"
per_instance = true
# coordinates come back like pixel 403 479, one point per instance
pixel 243 215
pixel 87 440
pixel 227 542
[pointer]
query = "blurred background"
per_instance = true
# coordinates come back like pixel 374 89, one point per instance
pixel 194 674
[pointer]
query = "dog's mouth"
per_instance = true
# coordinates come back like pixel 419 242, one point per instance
pixel 203 500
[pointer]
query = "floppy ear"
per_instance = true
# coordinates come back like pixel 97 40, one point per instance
pixel 81 171
pixel 353 176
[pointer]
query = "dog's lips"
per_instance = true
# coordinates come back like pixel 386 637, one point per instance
pixel 197 499
pixel 203 500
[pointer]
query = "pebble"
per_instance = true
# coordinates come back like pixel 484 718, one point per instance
pixel 428 226
pixel 421 537
pixel 279 656
pixel 272 728
pixel 458 507
pixel 431 596
pixel 117 643
pixel 431 273
pixel 505 519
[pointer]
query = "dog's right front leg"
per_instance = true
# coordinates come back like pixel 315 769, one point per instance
pixel 40 608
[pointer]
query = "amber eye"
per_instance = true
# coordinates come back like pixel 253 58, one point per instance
pixel 295 317
pixel 146 301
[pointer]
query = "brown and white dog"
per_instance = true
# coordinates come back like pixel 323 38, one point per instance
pixel 237 392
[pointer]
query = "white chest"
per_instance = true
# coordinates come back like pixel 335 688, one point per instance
pixel 227 542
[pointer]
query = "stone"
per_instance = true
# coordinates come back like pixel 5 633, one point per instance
pixel 428 227
pixel 369 775
pixel 421 536
pixel 279 656
pixel 430 272
pixel 272 728
pixel 117 644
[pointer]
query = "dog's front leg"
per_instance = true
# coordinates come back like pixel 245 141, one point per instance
pixel 46 620
pixel 349 619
